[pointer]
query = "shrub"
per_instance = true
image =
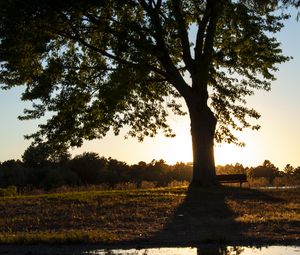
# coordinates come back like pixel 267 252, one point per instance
pixel 178 183
pixel 258 182
pixel 126 185
pixel 148 185
pixel 10 191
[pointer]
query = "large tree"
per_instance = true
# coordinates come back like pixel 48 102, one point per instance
pixel 97 65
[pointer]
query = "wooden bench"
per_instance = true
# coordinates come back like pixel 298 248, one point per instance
pixel 232 178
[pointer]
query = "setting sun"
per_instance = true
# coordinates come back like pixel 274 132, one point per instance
pixel 178 150
pixel 229 154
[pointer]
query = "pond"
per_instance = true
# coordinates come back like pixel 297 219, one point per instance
pixel 202 250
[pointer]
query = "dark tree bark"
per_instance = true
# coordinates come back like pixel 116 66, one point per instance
pixel 203 126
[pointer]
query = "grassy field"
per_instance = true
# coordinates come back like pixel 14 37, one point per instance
pixel 164 216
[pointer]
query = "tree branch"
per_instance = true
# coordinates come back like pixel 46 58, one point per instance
pixel 204 48
pixel 173 74
pixel 118 59
pixel 210 34
pixel 76 37
pixel 139 30
pixel 158 4
pixel 183 34
pixel 202 25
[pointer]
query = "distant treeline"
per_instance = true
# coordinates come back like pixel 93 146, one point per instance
pixel 91 169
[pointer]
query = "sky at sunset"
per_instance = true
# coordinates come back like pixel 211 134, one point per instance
pixel 278 140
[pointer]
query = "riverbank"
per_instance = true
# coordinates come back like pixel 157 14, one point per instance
pixel 154 217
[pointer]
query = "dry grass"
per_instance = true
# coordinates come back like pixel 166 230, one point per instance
pixel 163 216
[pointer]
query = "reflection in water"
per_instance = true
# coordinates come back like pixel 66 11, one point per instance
pixel 204 250
pixel 223 250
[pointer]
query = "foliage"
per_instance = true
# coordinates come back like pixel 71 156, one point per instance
pixel 96 65
pixel 88 167
pixel 11 163
pixel 43 154
pixel 288 169
pixel 13 175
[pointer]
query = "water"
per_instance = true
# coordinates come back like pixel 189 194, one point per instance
pixel 202 250
pixel 205 250
pixel 278 187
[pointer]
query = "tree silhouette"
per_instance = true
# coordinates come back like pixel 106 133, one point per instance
pixel 288 169
pixel 97 65
pixel 42 154
pixel 266 170
pixel 88 166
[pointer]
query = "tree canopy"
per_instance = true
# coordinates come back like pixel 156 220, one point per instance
pixel 100 64
pixel 96 65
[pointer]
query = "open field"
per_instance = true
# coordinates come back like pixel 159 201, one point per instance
pixel 162 216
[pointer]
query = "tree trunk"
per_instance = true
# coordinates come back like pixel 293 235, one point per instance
pixel 203 125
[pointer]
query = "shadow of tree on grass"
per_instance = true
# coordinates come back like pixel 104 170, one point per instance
pixel 205 217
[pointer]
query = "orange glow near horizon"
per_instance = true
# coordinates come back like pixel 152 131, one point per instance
pixel 172 150
pixel 262 145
